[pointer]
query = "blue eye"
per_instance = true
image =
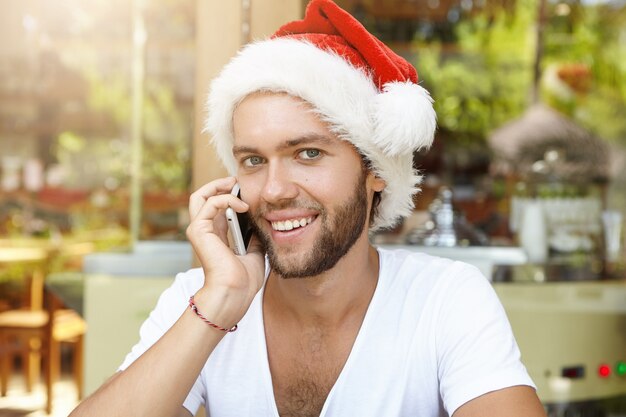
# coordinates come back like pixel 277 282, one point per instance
pixel 310 154
pixel 253 161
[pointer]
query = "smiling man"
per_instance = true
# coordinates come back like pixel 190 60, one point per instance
pixel 308 190
pixel 318 125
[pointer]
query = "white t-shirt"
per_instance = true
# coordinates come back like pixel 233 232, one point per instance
pixel 434 337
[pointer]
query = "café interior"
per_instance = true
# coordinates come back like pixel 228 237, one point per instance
pixel 102 142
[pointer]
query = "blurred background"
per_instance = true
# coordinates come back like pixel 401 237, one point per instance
pixel 101 143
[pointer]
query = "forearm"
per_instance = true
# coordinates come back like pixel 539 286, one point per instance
pixel 158 382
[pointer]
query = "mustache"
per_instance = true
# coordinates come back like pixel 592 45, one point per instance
pixel 266 208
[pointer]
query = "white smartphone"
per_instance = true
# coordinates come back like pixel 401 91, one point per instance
pixel 239 226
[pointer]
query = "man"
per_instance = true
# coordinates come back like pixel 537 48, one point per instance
pixel 319 125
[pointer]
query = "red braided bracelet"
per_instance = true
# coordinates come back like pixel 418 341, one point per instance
pixel 193 306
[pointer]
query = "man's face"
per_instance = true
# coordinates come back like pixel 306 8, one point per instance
pixel 308 191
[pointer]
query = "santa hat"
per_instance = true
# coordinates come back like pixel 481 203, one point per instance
pixel 366 93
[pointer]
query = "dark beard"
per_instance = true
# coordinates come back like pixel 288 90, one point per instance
pixel 334 242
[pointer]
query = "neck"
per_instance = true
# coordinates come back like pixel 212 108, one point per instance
pixel 329 298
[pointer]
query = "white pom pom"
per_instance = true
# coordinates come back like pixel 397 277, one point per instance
pixel 404 118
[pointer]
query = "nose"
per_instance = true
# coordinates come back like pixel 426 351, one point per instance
pixel 279 184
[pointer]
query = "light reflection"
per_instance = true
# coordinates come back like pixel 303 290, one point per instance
pixel 453 15
pixel 111 183
pixel 466 5
pixel 562 9
pixel 560 385
pixel 30 23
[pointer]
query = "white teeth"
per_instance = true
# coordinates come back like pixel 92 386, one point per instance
pixel 291 224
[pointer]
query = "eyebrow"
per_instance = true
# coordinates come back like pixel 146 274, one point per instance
pixel 307 139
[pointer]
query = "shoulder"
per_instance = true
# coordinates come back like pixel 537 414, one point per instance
pixel 433 286
pixel 459 321
pixel 427 271
pixel 445 294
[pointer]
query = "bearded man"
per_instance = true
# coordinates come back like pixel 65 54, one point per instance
pixel 318 125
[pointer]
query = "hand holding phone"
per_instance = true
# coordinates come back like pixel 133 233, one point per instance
pixel 239 226
pixel 240 277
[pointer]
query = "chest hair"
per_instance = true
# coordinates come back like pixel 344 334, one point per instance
pixel 302 395
pixel 304 373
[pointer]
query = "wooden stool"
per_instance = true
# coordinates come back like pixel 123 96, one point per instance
pixel 31 333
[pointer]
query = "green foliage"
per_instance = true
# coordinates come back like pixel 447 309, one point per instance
pixel 88 162
pixel 166 133
pixel 70 142
pixel 593 36
pixel 603 113
pixel 487 79
pixel 110 95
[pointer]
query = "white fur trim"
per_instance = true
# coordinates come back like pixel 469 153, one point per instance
pixel 404 118
pixel 344 97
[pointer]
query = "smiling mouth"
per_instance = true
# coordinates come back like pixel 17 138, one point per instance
pixel 291 224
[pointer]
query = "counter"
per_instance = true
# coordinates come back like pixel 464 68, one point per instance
pixel 115 293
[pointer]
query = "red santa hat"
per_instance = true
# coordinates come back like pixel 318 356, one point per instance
pixel 366 93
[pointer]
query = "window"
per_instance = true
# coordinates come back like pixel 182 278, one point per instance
pixel 96 116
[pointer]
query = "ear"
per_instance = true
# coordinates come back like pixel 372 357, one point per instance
pixel 375 183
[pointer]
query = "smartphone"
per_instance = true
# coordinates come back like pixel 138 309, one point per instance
pixel 239 226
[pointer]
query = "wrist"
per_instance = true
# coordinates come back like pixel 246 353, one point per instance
pixel 215 306
pixel 198 313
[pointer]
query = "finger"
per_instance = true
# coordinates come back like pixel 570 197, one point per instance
pixel 215 204
pixel 202 194
pixel 199 197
